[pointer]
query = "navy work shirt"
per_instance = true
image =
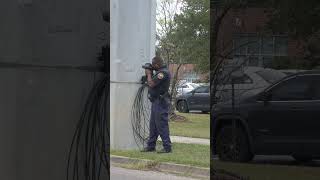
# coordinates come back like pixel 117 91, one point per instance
pixel 162 82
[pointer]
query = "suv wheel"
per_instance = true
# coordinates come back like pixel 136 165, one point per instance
pixel 183 107
pixel 302 158
pixel 233 149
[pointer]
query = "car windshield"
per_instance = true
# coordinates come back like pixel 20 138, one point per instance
pixel 193 85
pixel 271 76
pixel 202 89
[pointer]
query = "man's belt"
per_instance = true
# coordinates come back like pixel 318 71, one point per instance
pixel 161 96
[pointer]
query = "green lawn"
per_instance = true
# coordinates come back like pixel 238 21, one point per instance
pixel 198 126
pixel 269 172
pixel 188 154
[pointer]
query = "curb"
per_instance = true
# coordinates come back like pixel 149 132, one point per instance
pixel 203 173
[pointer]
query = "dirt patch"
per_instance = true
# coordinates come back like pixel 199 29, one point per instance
pixel 178 118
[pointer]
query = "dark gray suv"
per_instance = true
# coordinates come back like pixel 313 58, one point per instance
pixel 197 99
pixel 282 119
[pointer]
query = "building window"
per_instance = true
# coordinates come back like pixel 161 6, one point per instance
pixel 281 46
pixel 267 45
pixel 190 77
pixel 267 61
pixel 253 61
pixel 260 50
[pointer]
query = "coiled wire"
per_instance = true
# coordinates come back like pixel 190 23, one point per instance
pixel 89 152
pixel 140 116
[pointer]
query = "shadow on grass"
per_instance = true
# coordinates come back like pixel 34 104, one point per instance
pixel 271 167
pixel 280 160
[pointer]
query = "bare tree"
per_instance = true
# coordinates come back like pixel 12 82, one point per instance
pixel 166 12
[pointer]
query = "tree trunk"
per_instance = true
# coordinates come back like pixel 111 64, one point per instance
pixel 173 116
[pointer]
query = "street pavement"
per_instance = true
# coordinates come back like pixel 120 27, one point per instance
pixel 118 173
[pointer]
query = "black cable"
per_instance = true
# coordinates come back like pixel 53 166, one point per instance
pixel 88 156
pixel 15 65
pixel 140 116
pixel 89 152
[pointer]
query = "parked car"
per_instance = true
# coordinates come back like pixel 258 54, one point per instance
pixel 202 84
pixel 247 79
pixel 185 88
pixel 281 119
pixel 197 99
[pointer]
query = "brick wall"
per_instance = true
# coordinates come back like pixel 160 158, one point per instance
pixel 185 68
pixel 251 20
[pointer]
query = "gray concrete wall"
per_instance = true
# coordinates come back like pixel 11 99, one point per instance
pixel 132 44
pixel 39 107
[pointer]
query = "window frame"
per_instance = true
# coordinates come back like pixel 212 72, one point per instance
pixel 275 86
pixel 314 87
pixel 259 54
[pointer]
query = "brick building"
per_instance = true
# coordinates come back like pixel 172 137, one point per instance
pixel 244 31
pixel 187 73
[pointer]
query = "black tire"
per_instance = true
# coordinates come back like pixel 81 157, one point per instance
pixel 302 158
pixel 227 150
pixel 182 107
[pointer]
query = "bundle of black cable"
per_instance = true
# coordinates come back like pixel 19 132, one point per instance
pixel 89 152
pixel 140 119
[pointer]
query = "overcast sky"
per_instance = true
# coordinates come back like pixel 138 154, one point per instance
pixel 160 14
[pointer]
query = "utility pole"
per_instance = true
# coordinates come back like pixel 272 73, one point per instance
pixel 213 48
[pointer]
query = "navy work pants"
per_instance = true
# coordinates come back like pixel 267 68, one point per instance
pixel 159 124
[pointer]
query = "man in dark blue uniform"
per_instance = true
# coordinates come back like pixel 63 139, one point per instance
pixel 158 94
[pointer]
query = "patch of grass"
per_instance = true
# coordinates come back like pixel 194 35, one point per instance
pixel 197 126
pixel 269 172
pixel 188 154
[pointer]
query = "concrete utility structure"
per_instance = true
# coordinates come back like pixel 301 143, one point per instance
pixel 41 105
pixel 132 39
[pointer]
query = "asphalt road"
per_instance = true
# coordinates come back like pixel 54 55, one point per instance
pixel 281 160
pixel 128 174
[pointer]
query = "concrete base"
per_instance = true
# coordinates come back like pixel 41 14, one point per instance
pixel 122 96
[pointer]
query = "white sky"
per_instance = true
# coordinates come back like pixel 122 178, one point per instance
pixel 160 14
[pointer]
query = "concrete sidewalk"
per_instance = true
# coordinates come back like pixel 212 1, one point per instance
pixel 189 140
pixel 190 171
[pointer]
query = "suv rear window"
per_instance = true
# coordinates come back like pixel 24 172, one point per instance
pixel 271 76
pixel 244 79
